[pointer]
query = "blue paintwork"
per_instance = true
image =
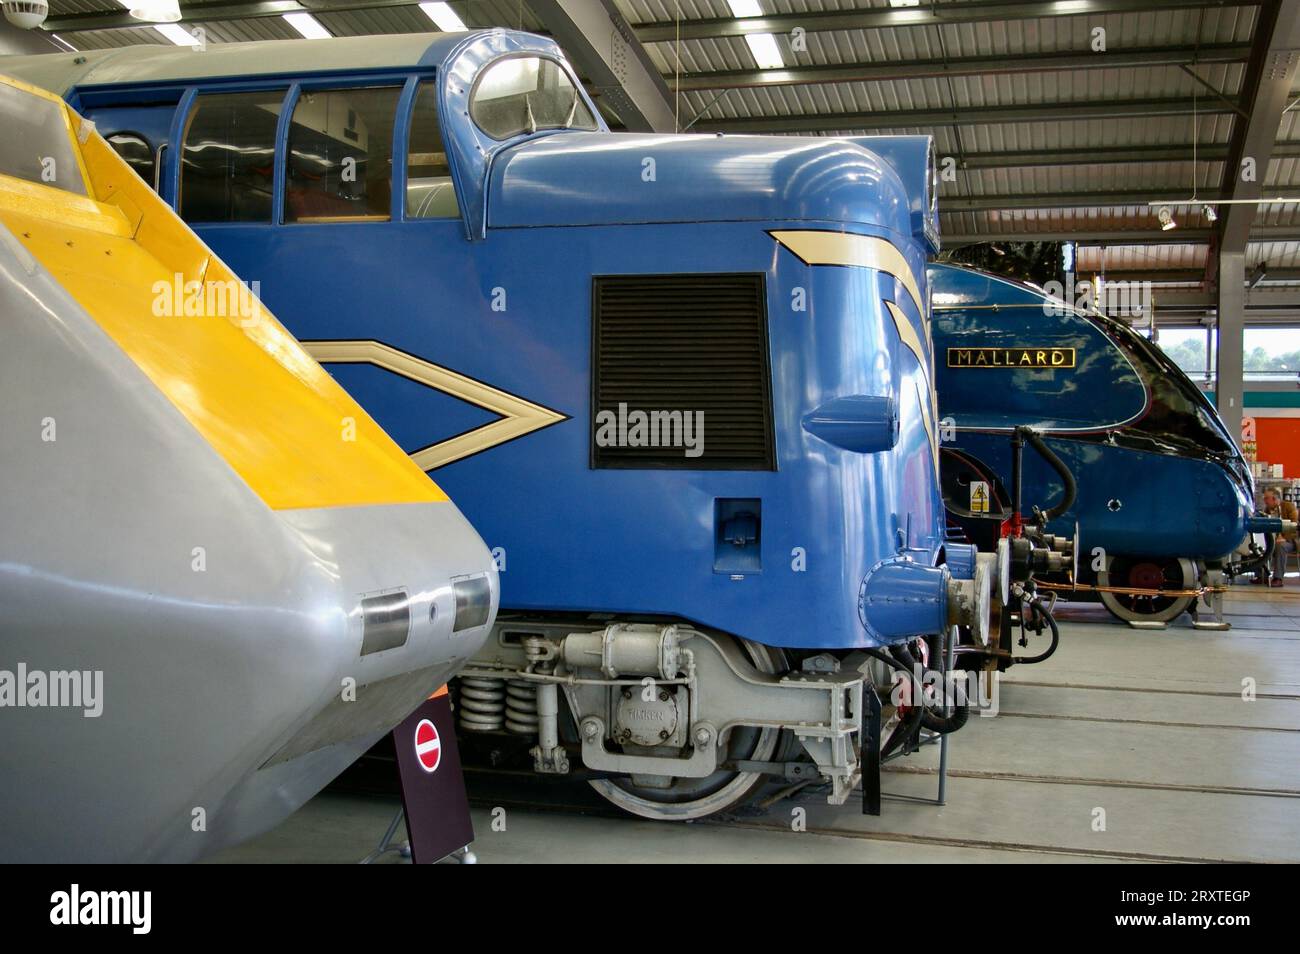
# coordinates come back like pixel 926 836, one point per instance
pixel 961 560
pixel 416 416
pixel 865 423
pixel 1261 524
pixel 597 179
pixel 1105 389
pixel 902 599
pixel 542 215
pixel 1181 486
pixel 913 159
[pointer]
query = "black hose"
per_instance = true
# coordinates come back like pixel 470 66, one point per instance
pixel 1037 606
pixel 1071 488
pixel 950 723
pixel 1256 564
pixel 929 718
pixel 907 730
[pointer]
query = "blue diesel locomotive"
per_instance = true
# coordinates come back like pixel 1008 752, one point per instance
pixel 682 384
pixel 1127 422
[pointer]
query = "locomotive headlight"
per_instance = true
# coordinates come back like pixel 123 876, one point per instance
pixel 473 602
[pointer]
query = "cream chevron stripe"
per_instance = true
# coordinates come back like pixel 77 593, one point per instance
pixel 820 247
pixel 518 416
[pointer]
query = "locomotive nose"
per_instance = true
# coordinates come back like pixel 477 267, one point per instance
pixel 415 581
pixel 415 592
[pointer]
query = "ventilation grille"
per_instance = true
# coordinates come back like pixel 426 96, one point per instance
pixel 692 344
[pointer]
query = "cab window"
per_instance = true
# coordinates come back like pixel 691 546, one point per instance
pixel 36 144
pixel 340 160
pixel 228 158
pixel 136 151
pixel 429 191
pixel 522 94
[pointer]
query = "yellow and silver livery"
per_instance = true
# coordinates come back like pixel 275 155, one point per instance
pixel 221 581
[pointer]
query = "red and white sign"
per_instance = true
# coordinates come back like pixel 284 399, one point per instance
pixel 428 747
pixel 433 788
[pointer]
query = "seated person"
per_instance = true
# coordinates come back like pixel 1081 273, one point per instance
pixel 1285 543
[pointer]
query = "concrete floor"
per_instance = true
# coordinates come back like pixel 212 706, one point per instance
pixel 1148 727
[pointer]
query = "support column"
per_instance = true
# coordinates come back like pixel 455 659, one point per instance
pixel 606 52
pixel 1266 87
pixel 1230 331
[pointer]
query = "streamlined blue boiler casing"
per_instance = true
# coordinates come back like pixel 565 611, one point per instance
pixel 1157 473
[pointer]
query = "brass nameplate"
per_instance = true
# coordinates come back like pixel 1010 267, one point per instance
pixel 1011 357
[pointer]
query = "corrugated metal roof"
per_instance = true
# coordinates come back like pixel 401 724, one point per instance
pixel 65 7
pixel 1276 254
pixel 379 20
pixel 1027 175
pixel 963 92
pixel 964 40
pixel 1128 258
pixel 364 22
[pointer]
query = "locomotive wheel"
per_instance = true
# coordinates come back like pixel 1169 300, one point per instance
pixel 688 798
pixel 1147 573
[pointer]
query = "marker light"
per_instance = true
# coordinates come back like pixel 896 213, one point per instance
pixel 473 602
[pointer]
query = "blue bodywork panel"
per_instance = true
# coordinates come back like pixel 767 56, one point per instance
pixel 502 297
pixel 1157 473
pixel 599 179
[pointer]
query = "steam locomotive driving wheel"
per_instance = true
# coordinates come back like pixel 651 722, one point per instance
pixel 1147 573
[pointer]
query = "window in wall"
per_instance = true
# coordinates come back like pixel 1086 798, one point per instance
pixel 36 144
pixel 341 155
pixel 1272 351
pixel 228 158
pixel 137 152
pixel 1186 347
pixel 429 191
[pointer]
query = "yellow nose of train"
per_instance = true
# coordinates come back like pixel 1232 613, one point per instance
pixel 222 581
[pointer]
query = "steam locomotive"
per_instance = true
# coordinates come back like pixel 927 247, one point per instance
pixel 1164 497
